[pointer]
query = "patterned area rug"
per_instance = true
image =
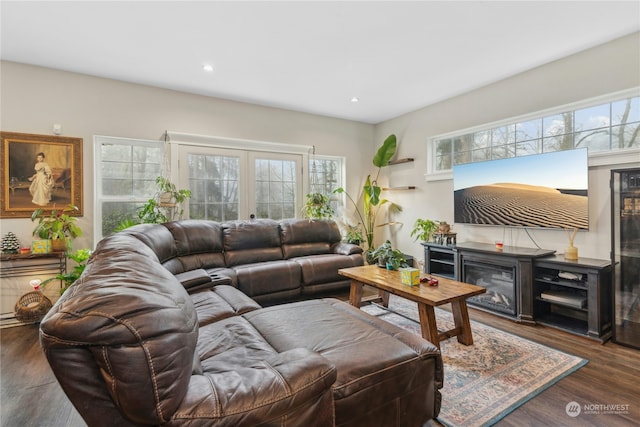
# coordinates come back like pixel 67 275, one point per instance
pixel 486 381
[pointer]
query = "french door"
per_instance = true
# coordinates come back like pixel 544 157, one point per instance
pixel 228 184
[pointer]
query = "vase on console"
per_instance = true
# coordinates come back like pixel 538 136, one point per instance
pixel 571 252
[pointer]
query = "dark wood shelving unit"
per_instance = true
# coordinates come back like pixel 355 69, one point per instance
pixel 591 285
pixel 440 260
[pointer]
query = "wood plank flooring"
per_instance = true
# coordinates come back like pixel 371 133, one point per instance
pixel 31 396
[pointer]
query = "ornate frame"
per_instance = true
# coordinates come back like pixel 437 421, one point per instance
pixel 18 152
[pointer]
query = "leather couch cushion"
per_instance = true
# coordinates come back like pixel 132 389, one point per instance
pixel 312 237
pixel 324 268
pixel 253 241
pixel 268 277
pixel 399 365
pixel 302 249
pixel 159 239
pixel 316 230
pixel 198 243
pixel 220 302
pixel 193 279
pixel 245 381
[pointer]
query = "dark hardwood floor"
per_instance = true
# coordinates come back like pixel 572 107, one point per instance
pixel 31 396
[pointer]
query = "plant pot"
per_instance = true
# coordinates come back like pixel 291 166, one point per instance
pixel 59 245
pixel 165 198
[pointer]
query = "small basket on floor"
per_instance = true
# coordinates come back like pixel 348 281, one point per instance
pixel 32 306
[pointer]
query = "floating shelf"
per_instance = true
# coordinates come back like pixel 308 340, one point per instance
pixel 398 161
pixel 407 187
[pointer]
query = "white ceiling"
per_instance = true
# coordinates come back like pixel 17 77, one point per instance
pixel 314 57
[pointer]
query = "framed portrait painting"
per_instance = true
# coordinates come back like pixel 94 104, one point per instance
pixel 39 171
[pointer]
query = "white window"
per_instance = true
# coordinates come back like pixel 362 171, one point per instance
pixel 228 179
pixel 125 173
pixel 600 126
pixel 229 184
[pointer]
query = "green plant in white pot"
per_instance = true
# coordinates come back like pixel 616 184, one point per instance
pixel 317 206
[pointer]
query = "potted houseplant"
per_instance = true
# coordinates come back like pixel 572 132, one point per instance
pixel 396 260
pixel 80 257
pixel 166 205
pixel 353 235
pixel 58 226
pixel 371 201
pixel 381 253
pixel 170 196
pixel 317 206
pixel 423 229
pixel 387 257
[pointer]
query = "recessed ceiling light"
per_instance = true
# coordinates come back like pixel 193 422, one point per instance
pixel 207 67
pixel 355 99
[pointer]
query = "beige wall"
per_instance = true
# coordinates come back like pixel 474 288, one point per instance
pixel 34 98
pixel 606 69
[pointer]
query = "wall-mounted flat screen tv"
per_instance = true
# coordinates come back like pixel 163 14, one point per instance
pixel 547 190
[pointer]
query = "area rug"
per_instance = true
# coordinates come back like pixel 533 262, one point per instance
pixel 487 380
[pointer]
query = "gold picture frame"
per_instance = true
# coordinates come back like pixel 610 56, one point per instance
pixel 27 184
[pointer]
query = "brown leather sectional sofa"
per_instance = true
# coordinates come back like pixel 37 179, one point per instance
pixel 144 338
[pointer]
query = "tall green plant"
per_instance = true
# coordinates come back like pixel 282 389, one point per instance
pixel 371 201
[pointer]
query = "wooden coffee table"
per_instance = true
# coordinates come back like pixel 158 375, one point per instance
pixel 448 291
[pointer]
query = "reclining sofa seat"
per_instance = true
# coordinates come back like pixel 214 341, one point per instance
pixel 268 260
pixel 130 345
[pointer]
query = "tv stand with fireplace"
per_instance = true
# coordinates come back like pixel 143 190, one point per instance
pixel 516 279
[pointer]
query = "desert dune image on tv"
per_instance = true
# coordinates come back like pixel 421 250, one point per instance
pixel 544 190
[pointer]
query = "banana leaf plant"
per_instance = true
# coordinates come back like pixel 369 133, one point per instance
pixel 371 201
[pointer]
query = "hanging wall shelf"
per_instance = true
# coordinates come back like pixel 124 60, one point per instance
pixel 398 161
pixel 406 187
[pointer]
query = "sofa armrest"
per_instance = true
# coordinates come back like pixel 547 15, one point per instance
pixel 342 248
pixel 194 280
pixel 294 386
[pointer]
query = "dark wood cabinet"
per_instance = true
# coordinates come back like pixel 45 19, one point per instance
pixel 440 260
pixel 575 296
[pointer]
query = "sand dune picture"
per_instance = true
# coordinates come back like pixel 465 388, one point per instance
pixel 520 205
pixel 547 190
